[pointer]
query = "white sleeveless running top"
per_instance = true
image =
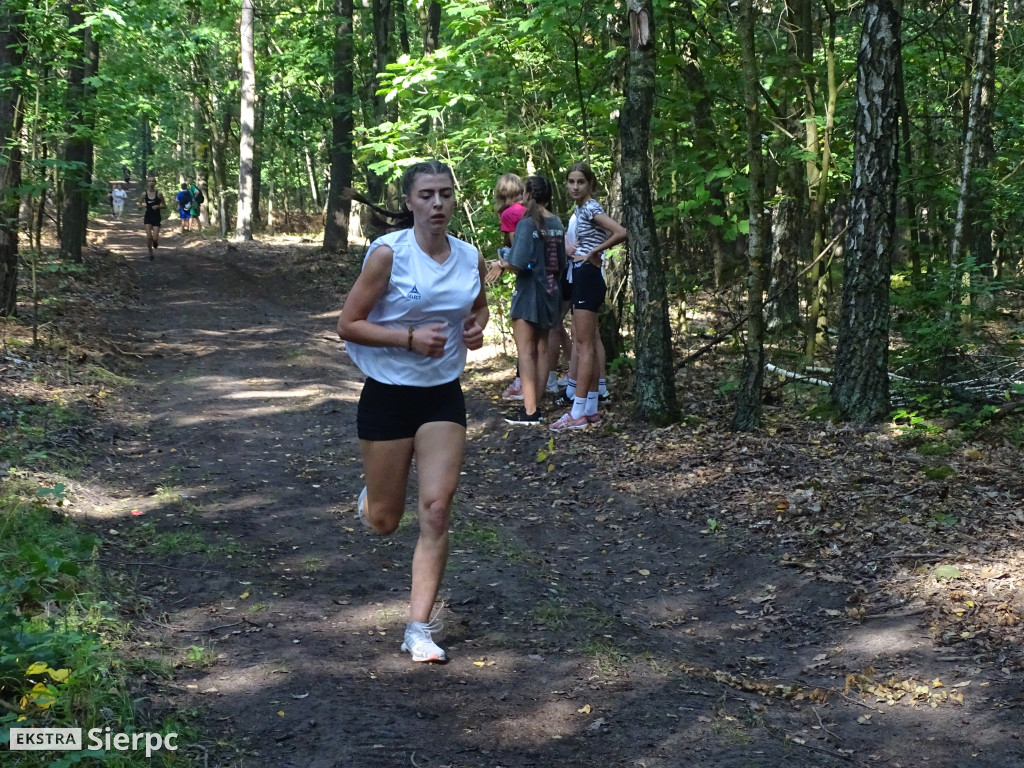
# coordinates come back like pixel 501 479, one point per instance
pixel 421 292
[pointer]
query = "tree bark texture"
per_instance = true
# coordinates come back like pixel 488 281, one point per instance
pixel 247 124
pixel 747 415
pixel 342 125
pixel 980 201
pixel 655 389
pixel 383 31
pixel 78 148
pixel 11 54
pixel 861 390
pixel 972 135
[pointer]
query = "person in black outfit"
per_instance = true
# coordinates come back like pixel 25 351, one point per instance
pixel 153 202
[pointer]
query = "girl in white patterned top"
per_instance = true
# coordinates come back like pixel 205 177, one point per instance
pixel 596 231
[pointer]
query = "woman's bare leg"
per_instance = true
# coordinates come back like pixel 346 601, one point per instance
pixel 439 448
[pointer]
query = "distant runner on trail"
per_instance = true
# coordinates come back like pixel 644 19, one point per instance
pixel 117 197
pixel 153 202
pixel 414 311
pixel 184 199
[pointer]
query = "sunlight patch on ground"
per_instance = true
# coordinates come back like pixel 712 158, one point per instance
pixel 264 394
pixel 872 641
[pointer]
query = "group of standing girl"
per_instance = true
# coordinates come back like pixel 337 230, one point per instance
pixel 416 308
pixel 557 270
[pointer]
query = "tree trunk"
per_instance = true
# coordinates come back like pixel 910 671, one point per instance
pixel 791 238
pixel 432 29
pixel 342 125
pixel 748 395
pixel 257 165
pixel 655 390
pixel 972 135
pixel 78 148
pixel 817 317
pixel 980 202
pixel 246 125
pixel 861 389
pixel 383 30
pixel 11 109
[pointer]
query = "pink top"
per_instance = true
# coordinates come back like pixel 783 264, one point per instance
pixel 511 216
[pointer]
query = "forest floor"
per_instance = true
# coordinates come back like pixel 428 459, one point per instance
pixel 811 594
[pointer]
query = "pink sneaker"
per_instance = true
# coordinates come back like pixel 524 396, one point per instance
pixel 567 422
pixel 593 418
pixel 513 391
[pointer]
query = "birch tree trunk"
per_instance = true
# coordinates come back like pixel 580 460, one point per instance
pixel 342 124
pixel 655 390
pixel 861 390
pixel 246 125
pixel 748 397
pixel 11 109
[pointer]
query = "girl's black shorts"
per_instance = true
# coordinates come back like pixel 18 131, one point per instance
pixel 396 412
pixel 588 287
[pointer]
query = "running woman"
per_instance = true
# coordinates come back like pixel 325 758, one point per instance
pixel 416 308
pixel 153 202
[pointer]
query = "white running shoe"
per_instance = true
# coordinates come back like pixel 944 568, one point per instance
pixel 418 640
pixel 361 508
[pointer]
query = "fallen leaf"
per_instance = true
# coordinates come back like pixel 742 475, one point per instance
pixel 584 710
pixel 947 572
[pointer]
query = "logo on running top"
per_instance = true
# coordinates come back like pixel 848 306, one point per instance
pixel 415 294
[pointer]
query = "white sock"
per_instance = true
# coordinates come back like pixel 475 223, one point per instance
pixel 602 387
pixel 591 404
pixel 570 388
pixel 579 407
pixel 552 378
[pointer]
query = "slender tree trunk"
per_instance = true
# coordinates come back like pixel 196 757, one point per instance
pixel 861 389
pixel 971 141
pixel 817 317
pixel 748 395
pixel 257 166
pixel 980 204
pixel 791 238
pixel 342 125
pixel 246 125
pixel 11 110
pixel 655 389
pixel 383 30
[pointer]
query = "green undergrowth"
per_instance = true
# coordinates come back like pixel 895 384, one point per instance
pixel 59 637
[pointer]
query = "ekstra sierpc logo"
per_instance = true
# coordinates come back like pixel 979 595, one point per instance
pixel 97 739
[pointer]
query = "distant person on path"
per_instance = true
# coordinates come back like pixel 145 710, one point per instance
pixel 153 201
pixel 184 198
pixel 197 202
pixel 508 205
pixel 416 308
pixel 126 175
pixel 537 258
pixel 596 231
pixel 118 197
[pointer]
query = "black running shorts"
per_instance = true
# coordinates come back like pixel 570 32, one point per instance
pixel 588 287
pixel 396 412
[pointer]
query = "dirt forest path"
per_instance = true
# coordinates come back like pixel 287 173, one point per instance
pixel 587 626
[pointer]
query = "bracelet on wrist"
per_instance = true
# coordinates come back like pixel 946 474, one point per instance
pixel 408 345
